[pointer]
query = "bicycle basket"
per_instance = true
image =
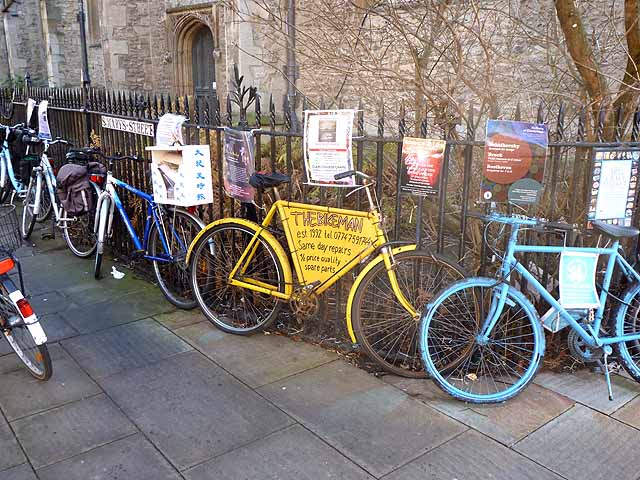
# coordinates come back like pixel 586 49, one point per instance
pixel 10 238
pixel 27 164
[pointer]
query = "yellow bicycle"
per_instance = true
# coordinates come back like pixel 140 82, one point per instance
pixel 241 274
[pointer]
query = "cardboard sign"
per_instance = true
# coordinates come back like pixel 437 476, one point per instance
pixel 614 184
pixel 327 239
pixel 421 164
pixel 124 125
pixel 327 146
pixel 239 164
pixel 514 159
pixel 578 280
pixel 31 105
pixel 181 175
pixel 44 132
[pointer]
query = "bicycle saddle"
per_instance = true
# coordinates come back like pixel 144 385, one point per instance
pixel 268 180
pixel 616 231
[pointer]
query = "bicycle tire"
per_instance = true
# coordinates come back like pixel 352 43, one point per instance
pixel 173 278
pixel 214 256
pixel 46 206
pixel 456 316
pixel 385 331
pixel 626 321
pixel 102 226
pixel 28 217
pixel 21 341
pixel 79 234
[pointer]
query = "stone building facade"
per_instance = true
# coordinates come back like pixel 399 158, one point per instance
pixel 177 46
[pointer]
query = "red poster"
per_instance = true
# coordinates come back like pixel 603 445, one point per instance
pixel 421 164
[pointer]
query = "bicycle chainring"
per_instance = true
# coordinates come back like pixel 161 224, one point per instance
pixel 580 351
pixel 304 306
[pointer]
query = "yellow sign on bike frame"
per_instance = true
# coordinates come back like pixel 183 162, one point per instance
pixel 325 242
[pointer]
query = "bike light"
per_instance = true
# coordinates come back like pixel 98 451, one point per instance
pixel 99 179
pixel 6 265
pixel 25 308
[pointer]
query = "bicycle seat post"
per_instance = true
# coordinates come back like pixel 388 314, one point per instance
pixel 276 193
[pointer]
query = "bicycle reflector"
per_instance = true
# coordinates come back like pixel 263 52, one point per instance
pixel 25 308
pixel 97 179
pixel 6 265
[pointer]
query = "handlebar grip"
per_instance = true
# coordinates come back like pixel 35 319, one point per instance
pixel 340 176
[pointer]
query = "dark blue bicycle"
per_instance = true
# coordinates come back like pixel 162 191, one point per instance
pixel 168 232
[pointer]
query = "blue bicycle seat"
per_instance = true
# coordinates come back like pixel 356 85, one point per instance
pixel 616 231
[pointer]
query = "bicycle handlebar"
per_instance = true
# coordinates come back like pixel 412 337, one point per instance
pixel 351 173
pixel 522 220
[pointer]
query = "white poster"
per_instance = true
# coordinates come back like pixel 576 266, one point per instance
pixel 44 132
pixel 170 130
pixel 31 105
pixel 327 146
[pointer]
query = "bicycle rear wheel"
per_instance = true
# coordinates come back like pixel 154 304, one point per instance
pixel 46 207
pixel 627 322
pixel 35 357
pixel 488 371
pixel 383 328
pixel 235 309
pixel 28 215
pixel 179 230
pixel 79 233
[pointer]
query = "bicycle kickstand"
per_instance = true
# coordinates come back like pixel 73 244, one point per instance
pixel 607 351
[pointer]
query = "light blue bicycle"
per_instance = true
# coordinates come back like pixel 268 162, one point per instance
pixel 489 335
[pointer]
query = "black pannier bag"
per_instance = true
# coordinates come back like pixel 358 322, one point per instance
pixel 74 189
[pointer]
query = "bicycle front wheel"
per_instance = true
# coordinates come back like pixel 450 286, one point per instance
pixel 383 328
pixel 28 215
pixel 179 230
pixel 231 308
pixel 79 232
pixel 488 368
pixel 35 357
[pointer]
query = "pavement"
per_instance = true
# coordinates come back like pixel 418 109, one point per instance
pixel 142 391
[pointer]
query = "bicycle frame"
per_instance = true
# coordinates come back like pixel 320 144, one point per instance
pixel 110 194
pixel 363 227
pixel 6 170
pixel 591 334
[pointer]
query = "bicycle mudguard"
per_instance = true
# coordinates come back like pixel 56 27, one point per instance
pixel 31 321
pixel 264 233
pixel 356 284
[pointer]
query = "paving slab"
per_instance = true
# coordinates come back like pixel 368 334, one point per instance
pixel 23 395
pixel 504 422
pixel 124 347
pixel 258 359
pixel 180 318
pixel 291 454
pixel 121 310
pixel 583 443
pixel 49 302
pixel 590 388
pixel 56 327
pixel 630 413
pixel 21 472
pixel 375 425
pixel 107 288
pixel 10 452
pixel 71 429
pixel 472 456
pixel 127 459
pixel 191 409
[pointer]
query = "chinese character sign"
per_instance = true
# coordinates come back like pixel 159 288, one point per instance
pixel 614 183
pixel 239 164
pixel 421 164
pixel 514 159
pixel 327 146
